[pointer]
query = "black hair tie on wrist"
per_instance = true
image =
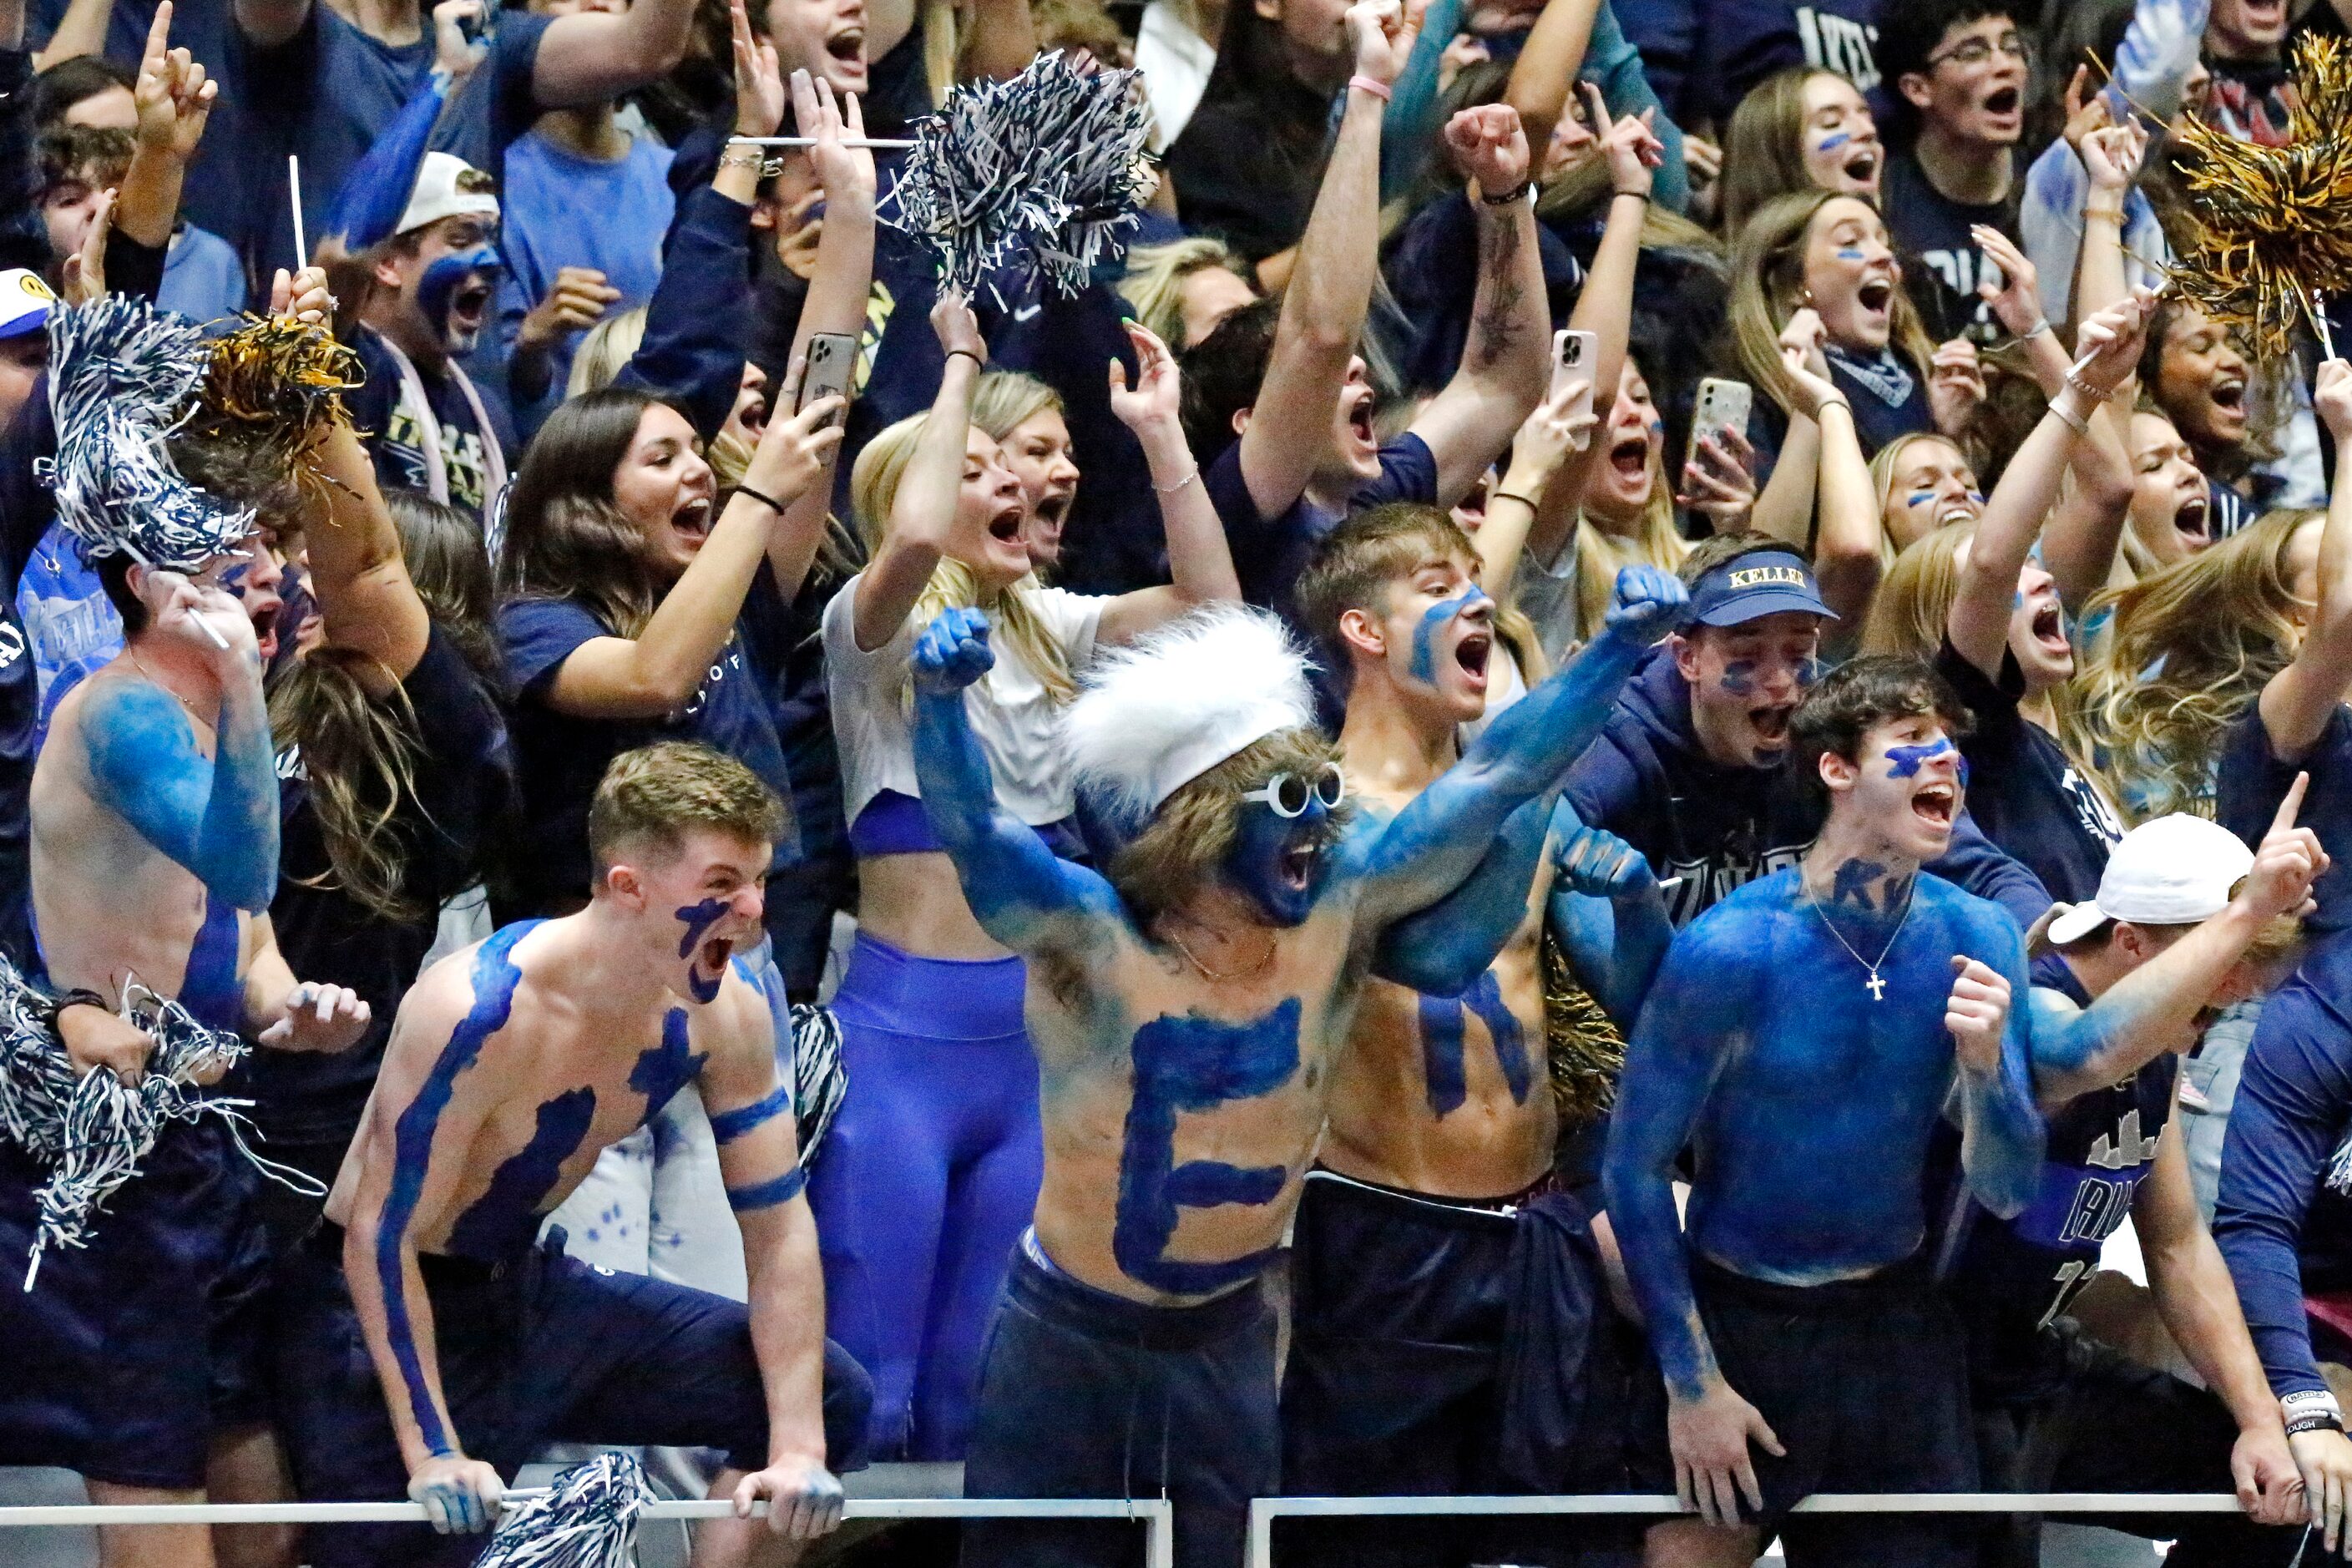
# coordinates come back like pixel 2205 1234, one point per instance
pixel 770 502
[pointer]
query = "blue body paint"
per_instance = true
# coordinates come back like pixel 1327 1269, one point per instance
pixel 495 977
pixel 1902 762
pixel 217 817
pixel 1808 674
pixel 699 919
pixel 1254 862
pixel 783 1189
pixel 1809 1108
pixel 729 1125
pixel 1441 951
pixel 1442 1033
pixel 1740 677
pixel 1195 1064
pixel 506 1216
pixel 1424 665
pixel 662 1071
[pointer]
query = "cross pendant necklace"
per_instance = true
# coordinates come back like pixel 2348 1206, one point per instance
pixel 1877 985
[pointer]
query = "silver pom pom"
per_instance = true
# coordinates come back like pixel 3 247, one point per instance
pixel 588 1518
pixel 1040 173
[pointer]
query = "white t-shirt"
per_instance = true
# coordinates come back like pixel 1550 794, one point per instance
pixel 1175 62
pixel 1011 712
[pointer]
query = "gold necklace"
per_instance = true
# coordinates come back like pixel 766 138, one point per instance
pixel 155 680
pixel 1213 978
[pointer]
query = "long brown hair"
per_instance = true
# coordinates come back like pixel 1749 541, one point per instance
pixel 1767 287
pixel 566 538
pixel 2191 648
pixel 1764 147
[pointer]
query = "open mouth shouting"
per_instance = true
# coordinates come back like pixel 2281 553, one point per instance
pixel 1296 865
pixel 2228 399
pixel 1861 166
pixel 1360 419
pixel 1630 457
pixel 263 616
pixel 470 306
pixel 1473 654
pixel 1770 723
pixel 2049 627
pixel 2003 102
pixel 710 968
pixel 1960 510
pixel 1004 523
pixel 1935 803
pixel 1877 295
pixel 691 522
pixel 845 52
pixel 2192 520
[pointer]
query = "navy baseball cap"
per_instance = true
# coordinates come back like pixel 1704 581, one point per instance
pixel 1752 586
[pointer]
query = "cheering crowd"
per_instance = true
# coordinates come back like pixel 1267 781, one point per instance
pixel 1569 793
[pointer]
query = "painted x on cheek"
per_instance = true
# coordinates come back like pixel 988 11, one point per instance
pixel 1902 762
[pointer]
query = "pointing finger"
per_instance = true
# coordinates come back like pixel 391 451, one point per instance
pixel 2293 805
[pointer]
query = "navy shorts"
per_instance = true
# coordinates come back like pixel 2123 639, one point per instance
pixel 1865 1383
pixel 1086 1395
pixel 1406 1377
pixel 131 1353
pixel 2114 1426
pixel 545 1349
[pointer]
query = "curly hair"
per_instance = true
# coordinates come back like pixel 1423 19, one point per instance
pixel 1185 845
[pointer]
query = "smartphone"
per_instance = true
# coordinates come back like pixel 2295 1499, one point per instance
pixel 832 366
pixel 1572 354
pixel 1722 406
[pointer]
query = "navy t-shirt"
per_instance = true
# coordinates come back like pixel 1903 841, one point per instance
pixel 329 91
pixel 560 758
pixel 2252 781
pixel 2022 791
pixel 462 785
pixel 1744 41
pixel 1942 263
pixel 1269 553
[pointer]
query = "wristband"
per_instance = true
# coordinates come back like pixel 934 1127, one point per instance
pixel 970 355
pixel 1526 501
pixel 1641 196
pixel 1170 489
pixel 2315 1422
pixel 770 502
pixel 1518 193
pixel 2089 214
pixel 1378 89
pixel 2074 422
pixel 2311 1402
pixel 2041 325
pixel 751 158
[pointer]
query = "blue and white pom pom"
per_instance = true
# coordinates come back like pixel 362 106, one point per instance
pixel 91 1131
pixel 1040 173
pixel 588 1518
pixel 819 1081
pixel 122 379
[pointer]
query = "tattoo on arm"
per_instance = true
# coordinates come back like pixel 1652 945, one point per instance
pixel 1496 328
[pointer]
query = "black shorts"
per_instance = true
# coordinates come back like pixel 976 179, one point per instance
pixel 130 1353
pixel 544 1349
pixel 2114 1426
pixel 1086 1395
pixel 1865 1383
pixel 1448 1348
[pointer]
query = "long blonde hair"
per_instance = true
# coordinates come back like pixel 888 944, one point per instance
pixel 2191 645
pixel 605 351
pixel 1763 147
pixel 1768 286
pixel 1154 283
pixel 1601 554
pixel 1882 484
pixel 874 490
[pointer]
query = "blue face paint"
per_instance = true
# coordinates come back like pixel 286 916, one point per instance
pixel 506 1216
pixel 1902 762
pixel 1263 842
pixel 1739 677
pixel 1964 772
pixel 1195 1064
pixel 699 919
pixel 232 578
pixel 444 275
pixel 1809 673
pixel 1920 496
pixel 1977 496
pixel 1424 667
pixel 1835 140
pixel 1442 1033
pixel 662 1071
pixel 1848 253
pixel 495 977
pixel 2016 601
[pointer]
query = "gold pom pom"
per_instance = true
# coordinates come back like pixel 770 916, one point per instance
pixel 1585 1047
pixel 276 382
pixel 2271 228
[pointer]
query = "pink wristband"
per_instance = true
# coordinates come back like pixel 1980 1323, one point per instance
pixel 1378 89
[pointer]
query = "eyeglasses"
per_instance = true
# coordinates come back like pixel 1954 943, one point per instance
pixel 1286 795
pixel 1976 51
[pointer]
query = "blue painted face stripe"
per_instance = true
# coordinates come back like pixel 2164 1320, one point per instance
pixel 767 1194
pixel 1424 665
pixel 1904 761
pixel 729 1125
pixel 495 978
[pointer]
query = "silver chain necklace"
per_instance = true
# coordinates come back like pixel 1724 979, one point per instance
pixel 1877 986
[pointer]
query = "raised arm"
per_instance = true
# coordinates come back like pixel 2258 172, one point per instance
pixel 1426 850
pixel 922 514
pixel 2299 699
pixel 1021 895
pixel 1544 73
pixel 659 669
pixel 1692 1016
pixel 751 1106
pixel 215 816
pixel 370 604
pixel 1199 561
pixel 1441 951
pixel 424 1115
pixel 80 31
pixel 1846 545
pixel 1560 424
pixel 174 100
pixel 589 57
pixel 1506 354
pixel 2153 1009
pixel 1330 287
pixel 1607 911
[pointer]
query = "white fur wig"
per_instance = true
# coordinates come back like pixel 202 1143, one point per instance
pixel 1179 700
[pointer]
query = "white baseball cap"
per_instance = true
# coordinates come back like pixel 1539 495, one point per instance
pixel 2176 870
pixel 26 302
pixel 447 186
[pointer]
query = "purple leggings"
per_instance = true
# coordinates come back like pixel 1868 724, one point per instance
pixel 926 1181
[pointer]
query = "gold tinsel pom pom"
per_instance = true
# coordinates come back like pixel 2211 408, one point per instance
pixel 2272 227
pixel 1586 1050
pixel 275 383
